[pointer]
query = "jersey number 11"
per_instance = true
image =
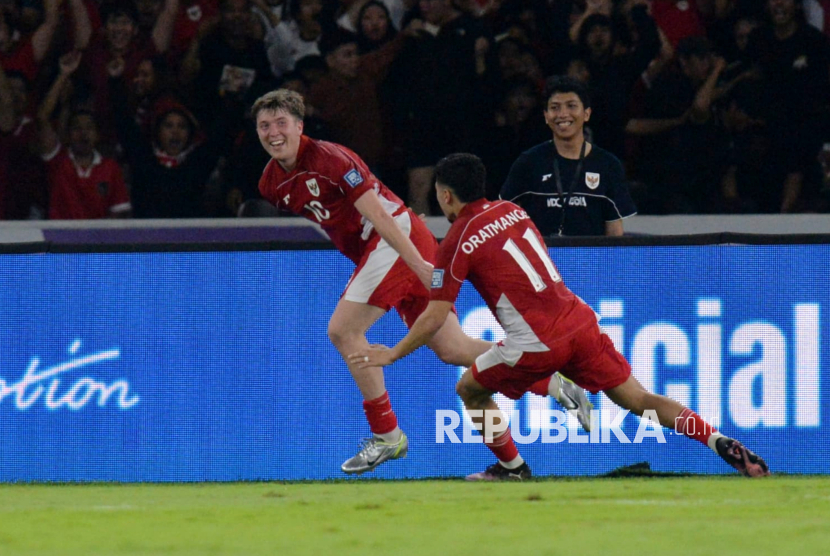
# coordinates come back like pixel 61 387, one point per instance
pixel 525 264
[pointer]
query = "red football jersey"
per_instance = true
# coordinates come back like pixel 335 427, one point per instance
pixel 323 188
pixel 84 194
pixel 495 246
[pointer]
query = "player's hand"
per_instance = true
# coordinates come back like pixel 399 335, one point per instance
pixel 376 355
pixel 424 273
pixel 69 62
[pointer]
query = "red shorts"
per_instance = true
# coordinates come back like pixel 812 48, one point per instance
pixel 587 357
pixel 384 280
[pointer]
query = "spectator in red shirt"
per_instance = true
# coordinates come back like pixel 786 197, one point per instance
pixel 83 184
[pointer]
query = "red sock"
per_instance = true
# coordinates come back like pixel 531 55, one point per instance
pixel 503 447
pixel 692 425
pixel 380 415
pixel 541 388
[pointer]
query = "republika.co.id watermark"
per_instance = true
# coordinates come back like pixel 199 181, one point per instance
pixel 554 427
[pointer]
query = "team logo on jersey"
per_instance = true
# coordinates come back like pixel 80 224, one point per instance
pixel 591 180
pixel 546 177
pixel 353 178
pixel 313 188
pixel 438 278
pixel 285 199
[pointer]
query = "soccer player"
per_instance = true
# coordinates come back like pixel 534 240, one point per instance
pixel 329 184
pixel 496 246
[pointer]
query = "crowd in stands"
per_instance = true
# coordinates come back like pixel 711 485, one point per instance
pixel 140 108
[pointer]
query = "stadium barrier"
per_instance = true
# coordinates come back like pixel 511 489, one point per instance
pixel 204 357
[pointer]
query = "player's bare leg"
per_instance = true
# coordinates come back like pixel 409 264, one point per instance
pixel 347 331
pixel 632 396
pixel 510 465
pixel 454 347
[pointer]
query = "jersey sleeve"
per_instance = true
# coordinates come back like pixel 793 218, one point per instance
pixel 517 180
pixel 621 205
pixel 353 177
pixel 451 267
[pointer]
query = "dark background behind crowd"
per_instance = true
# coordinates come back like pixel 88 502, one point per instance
pixel 139 108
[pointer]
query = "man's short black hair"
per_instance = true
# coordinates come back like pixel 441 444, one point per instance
pixel 594 20
pixel 698 47
pixel 114 8
pixel 333 39
pixel 565 84
pixel 80 113
pixel 464 173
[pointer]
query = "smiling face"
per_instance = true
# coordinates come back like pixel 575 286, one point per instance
pixel 566 115
pixel 120 30
pixel 279 134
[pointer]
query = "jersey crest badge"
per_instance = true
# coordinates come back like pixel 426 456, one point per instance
pixel 353 178
pixel 285 199
pixel 591 180
pixel 438 278
pixel 313 188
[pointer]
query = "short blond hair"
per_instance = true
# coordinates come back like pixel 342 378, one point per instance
pixel 280 99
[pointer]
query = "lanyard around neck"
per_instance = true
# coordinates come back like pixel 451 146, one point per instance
pixel 557 175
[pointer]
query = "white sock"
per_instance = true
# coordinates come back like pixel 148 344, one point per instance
pixel 713 441
pixel 391 437
pixel 512 464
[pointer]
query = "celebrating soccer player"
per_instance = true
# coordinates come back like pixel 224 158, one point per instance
pixel 500 251
pixel 329 184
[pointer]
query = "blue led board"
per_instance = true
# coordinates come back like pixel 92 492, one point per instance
pixel 217 367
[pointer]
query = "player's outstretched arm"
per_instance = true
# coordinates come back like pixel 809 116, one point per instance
pixel 369 206
pixel 430 321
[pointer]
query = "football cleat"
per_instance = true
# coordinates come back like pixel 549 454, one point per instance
pixel 573 398
pixel 373 452
pixel 741 458
pixel 497 472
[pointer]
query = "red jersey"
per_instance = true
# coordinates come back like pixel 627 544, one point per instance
pixel 495 246
pixel 84 193
pixel 323 188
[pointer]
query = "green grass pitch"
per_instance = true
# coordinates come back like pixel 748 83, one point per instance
pixel 730 515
